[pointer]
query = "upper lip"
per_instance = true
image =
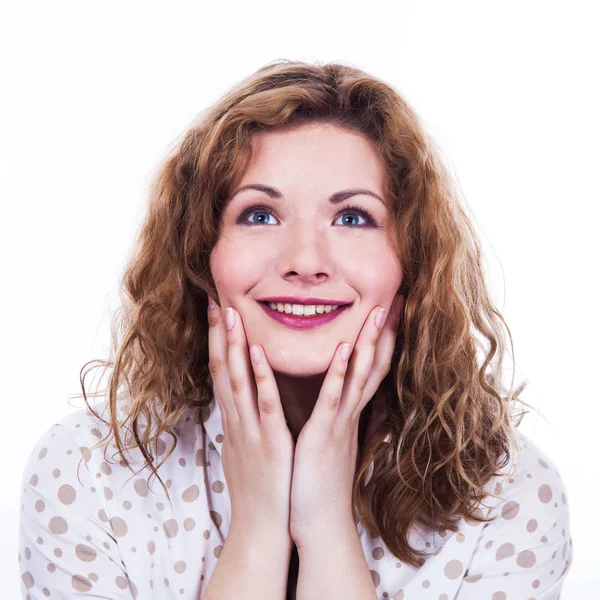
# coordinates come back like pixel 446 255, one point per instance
pixel 297 300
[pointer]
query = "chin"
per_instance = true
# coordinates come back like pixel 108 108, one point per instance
pixel 299 375
pixel 310 367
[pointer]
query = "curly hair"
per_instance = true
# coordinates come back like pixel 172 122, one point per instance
pixel 448 423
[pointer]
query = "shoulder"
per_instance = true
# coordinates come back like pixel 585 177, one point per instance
pixel 64 525
pixel 68 457
pixel 80 429
pixel 532 487
pixel 61 454
pixel 528 543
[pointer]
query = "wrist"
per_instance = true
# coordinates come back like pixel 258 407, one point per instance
pixel 265 536
pixel 345 531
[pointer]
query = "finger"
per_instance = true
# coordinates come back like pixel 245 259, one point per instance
pixel 218 365
pixel 382 359
pixel 270 410
pixel 387 342
pixel 241 376
pixel 384 352
pixel 328 402
pixel 355 393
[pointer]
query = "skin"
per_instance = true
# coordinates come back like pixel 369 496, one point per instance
pixel 307 247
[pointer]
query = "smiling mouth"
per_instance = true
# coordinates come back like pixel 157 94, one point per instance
pixel 315 314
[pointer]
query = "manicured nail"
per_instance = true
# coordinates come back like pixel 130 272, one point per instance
pixel 211 302
pixel 345 353
pixel 255 353
pixel 229 318
pixel 379 318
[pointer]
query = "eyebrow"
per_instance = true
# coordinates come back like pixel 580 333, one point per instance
pixel 334 198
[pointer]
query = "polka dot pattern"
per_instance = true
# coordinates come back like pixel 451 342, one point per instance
pixel 106 531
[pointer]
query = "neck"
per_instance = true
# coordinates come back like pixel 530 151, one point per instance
pixel 298 399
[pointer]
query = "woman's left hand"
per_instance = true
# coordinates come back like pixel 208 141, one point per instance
pixel 327 447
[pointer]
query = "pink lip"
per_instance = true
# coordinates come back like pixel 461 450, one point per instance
pixel 297 322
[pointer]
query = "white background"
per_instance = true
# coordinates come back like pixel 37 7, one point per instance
pixel 94 94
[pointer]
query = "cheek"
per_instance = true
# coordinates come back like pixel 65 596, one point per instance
pixel 374 271
pixel 235 268
pixel 220 264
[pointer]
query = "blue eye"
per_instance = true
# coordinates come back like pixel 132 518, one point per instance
pixel 355 210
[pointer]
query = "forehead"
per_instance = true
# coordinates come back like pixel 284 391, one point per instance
pixel 322 155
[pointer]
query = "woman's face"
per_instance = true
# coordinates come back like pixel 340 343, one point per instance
pixel 308 246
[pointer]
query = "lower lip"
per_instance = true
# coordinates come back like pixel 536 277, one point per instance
pixel 303 322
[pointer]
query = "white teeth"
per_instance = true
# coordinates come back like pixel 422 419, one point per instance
pixel 301 309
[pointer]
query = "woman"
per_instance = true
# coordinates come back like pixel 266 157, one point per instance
pixel 394 472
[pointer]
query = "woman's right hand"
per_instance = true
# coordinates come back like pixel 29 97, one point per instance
pixel 258 448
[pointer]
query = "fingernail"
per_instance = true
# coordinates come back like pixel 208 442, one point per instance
pixel 345 353
pixel 211 302
pixel 379 318
pixel 255 353
pixel 229 318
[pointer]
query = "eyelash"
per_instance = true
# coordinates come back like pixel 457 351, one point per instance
pixel 363 212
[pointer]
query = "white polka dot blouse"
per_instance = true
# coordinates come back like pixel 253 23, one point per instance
pixel 100 531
